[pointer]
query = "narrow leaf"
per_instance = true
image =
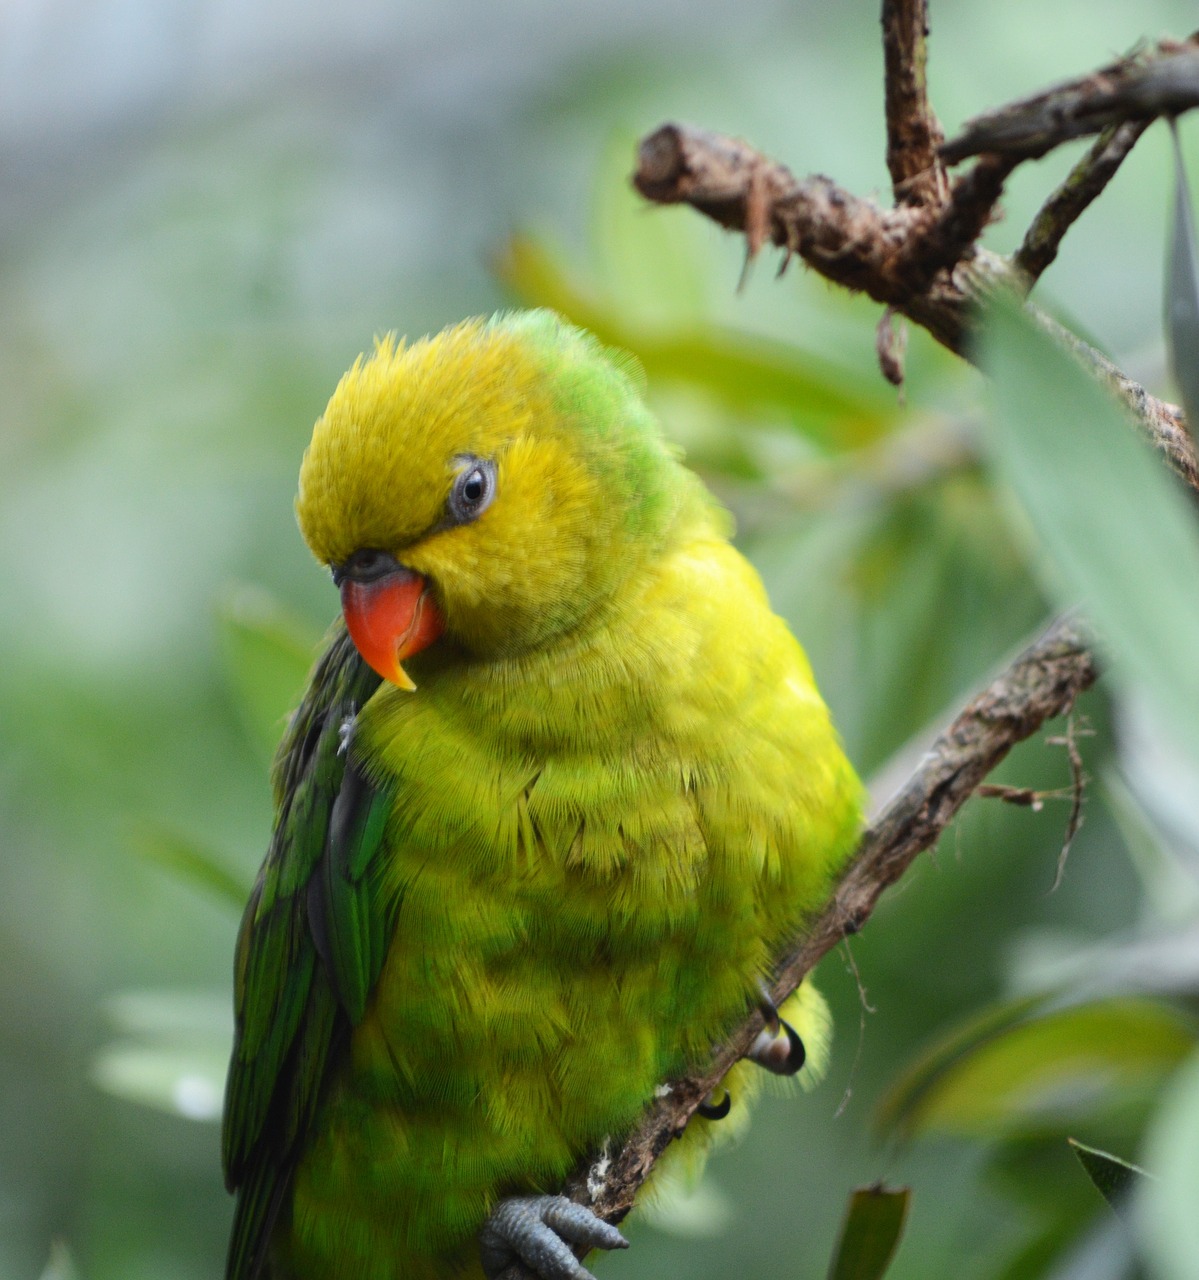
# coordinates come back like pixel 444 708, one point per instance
pixel 1113 1177
pixel 1182 289
pixel 268 655
pixel 1116 532
pixel 59 1266
pixel 172 1053
pixel 900 1108
pixel 1045 1073
pixel 190 861
pixel 187 1081
pixel 745 374
pixel 870 1234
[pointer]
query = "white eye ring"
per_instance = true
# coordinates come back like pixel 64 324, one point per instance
pixel 472 491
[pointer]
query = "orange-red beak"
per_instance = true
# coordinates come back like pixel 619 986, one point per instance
pixel 389 619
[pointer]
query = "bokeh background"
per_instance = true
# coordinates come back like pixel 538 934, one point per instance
pixel 206 211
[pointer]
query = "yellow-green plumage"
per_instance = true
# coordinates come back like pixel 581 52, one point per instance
pixel 613 792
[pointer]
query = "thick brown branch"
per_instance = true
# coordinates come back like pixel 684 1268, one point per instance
pixel 882 253
pixel 1040 684
pixel 849 240
pixel 951 237
pixel 1065 206
pixel 1161 81
pixel 913 131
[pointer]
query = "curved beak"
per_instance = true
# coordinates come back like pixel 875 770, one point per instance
pixel 389 619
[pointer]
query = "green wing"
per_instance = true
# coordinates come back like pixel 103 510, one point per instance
pixel 309 950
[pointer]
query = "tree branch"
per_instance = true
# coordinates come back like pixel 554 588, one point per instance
pixel 913 131
pixel 1161 81
pixel 1042 683
pixel 854 243
pixel 1065 206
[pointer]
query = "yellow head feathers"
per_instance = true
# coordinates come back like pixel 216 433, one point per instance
pixel 585 487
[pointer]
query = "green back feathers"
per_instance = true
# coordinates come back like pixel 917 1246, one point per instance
pixel 311 944
pixel 587 489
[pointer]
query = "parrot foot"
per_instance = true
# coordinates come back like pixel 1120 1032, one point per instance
pixel 539 1231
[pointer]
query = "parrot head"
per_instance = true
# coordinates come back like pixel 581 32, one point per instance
pixel 495 484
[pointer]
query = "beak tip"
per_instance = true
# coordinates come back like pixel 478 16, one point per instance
pixel 401 679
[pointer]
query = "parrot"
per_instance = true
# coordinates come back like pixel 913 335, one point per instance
pixel 560 786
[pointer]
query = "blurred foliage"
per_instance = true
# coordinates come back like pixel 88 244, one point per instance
pixel 184 283
pixel 870 1233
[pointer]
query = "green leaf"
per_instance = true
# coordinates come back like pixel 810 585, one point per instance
pixel 185 1081
pixel 1171 892
pixel 1113 1177
pixel 193 862
pixel 1182 289
pixel 747 375
pixel 654 268
pixel 682 1207
pixel 59 1265
pixel 1116 532
pixel 268 655
pixel 170 1013
pixel 1044 1073
pixel 870 1234
pixel 903 1103
pixel 172 1053
pixel 1166 1216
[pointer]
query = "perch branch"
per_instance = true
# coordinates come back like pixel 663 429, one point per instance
pixel 1160 81
pixel 1041 684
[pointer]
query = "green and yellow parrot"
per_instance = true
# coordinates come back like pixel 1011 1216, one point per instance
pixel 519 880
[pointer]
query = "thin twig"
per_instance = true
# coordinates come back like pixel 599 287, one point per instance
pixel 1078 787
pixel 913 131
pixel 1065 206
pixel 1160 81
pixel 1042 683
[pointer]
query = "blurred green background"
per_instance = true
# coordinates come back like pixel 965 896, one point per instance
pixel 207 212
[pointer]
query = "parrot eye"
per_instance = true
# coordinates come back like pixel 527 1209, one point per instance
pixel 473 489
pixel 365 565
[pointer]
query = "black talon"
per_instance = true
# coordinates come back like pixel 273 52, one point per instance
pixel 781 1055
pixel 716 1110
pixel 797 1054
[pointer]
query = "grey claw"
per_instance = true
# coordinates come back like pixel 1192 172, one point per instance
pixel 539 1231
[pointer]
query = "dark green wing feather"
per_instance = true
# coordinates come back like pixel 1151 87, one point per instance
pixel 311 945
